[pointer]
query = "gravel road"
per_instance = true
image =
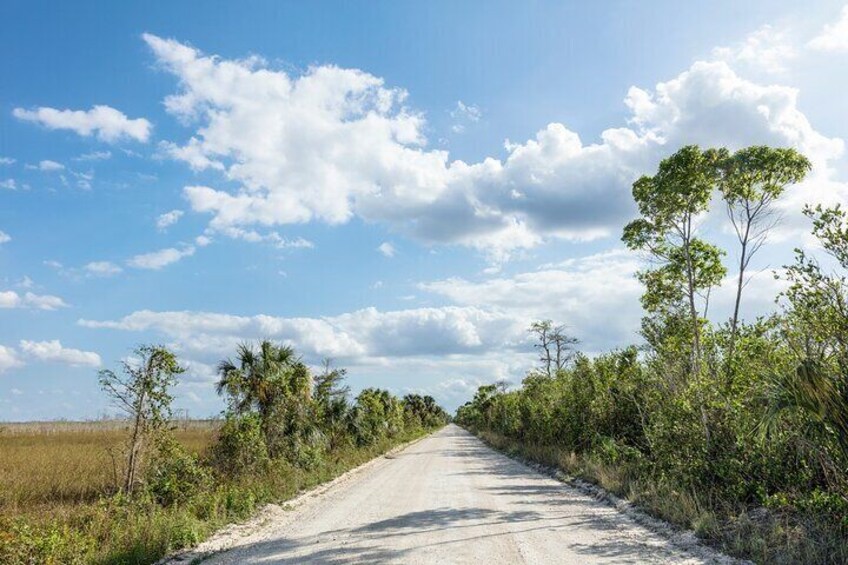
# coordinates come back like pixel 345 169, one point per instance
pixel 446 499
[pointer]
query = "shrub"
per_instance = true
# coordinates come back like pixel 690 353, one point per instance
pixel 241 445
pixel 175 476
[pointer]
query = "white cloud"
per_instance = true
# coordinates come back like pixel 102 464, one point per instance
pixel 767 49
pixel 102 268
pixel 834 36
pixel 43 301
pixel 11 299
pixel 597 297
pixel 464 114
pixel 168 219
pixel 273 238
pixel 470 112
pixel 94 156
pixel 356 336
pixel 7 161
pixel 489 316
pixel 8 184
pixel 387 249
pixel 49 166
pixel 296 243
pixel 54 352
pixel 9 359
pixel 336 143
pixel 162 258
pixel 107 123
pixel 4 237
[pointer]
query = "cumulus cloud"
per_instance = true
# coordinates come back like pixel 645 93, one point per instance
pixel 597 297
pixel 53 351
pixel 11 299
pixel 106 123
pixel 834 36
pixel 363 334
pixel 162 258
pixel 767 49
pixel 9 359
pixel 490 316
pixel 387 249
pixel 168 219
pixel 8 184
pixel 335 143
pixel 7 161
pixel 102 268
pixel 4 237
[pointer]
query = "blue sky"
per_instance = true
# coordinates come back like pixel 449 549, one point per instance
pixel 400 187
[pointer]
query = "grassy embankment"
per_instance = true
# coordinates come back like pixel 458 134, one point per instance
pixel 58 501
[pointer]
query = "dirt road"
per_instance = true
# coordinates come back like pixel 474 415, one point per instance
pixel 446 499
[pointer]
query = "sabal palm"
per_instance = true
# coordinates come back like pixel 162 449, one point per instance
pixel 812 391
pixel 257 378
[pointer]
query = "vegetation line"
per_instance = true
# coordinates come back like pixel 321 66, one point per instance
pixel 286 429
pixel 736 430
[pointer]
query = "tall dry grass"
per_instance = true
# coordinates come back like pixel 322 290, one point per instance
pixel 54 513
pixel 47 467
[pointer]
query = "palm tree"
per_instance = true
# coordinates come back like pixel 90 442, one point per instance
pixel 812 392
pixel 257 379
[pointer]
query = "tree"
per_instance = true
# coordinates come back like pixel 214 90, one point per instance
pixel 816 332
pixel 751 180
pixel 330 396
pixel 670 203
pixel 422 411
pixel 376 414
pixel 257 378
pixel 275 383
pixel 555 346
pixel 143 395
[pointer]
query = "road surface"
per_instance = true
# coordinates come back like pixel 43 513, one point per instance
pixel 446 499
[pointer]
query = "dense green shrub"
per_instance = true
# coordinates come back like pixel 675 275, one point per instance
pixel 175 476
pixel 241 445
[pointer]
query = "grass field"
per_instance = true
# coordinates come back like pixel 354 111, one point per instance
pixel 58 503
pixel 47 467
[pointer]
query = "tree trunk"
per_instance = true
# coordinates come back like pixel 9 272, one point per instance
pixel 135 446
pixel 696 336
pixel 693 312
pixel 739 284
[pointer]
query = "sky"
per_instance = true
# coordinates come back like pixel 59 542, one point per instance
pixel 400 187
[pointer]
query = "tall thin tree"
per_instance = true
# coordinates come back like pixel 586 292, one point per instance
pixel 751 180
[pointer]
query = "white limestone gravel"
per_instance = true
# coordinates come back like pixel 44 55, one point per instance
pixel 449 498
